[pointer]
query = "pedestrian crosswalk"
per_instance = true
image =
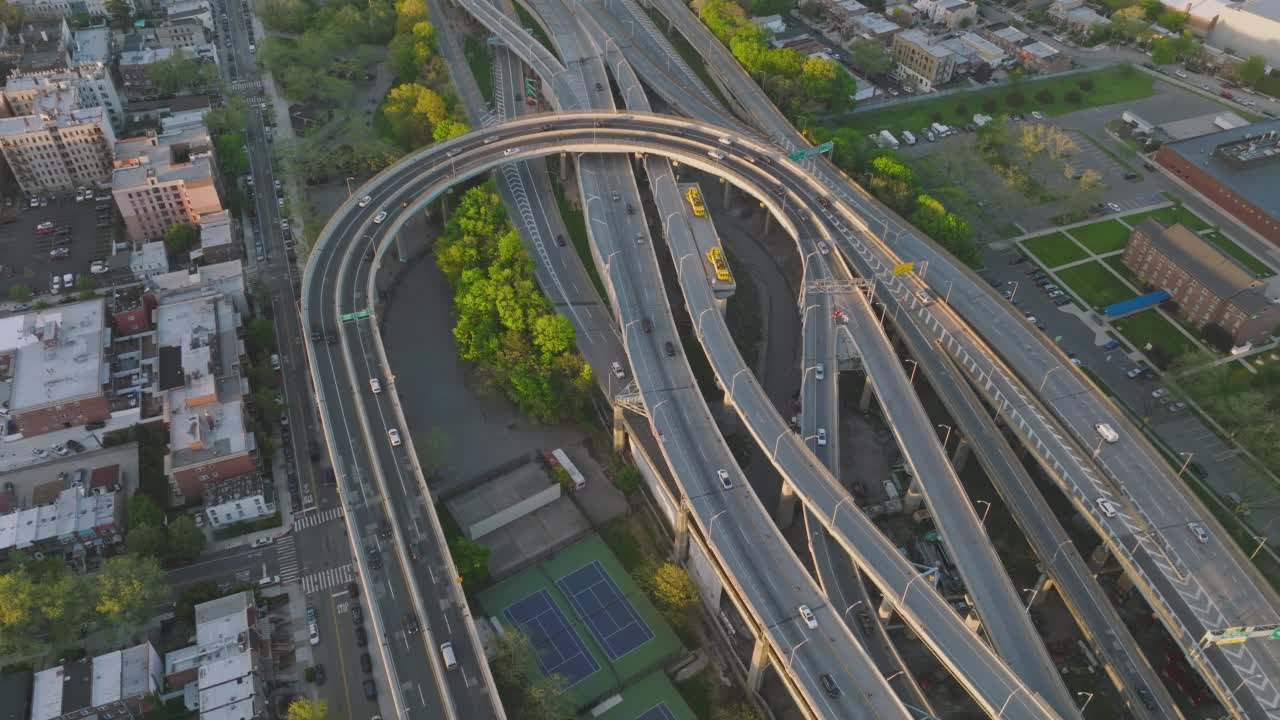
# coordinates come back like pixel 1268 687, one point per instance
pixel 325 579
pixel 313 519
pixel 287 559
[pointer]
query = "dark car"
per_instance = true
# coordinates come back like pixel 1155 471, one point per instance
pixel 631 210
pixel 1061 301
pixel 319 674
pixel 384 529
pixel 75 446
pixel 411 625
pixel 95 425
pixel 357 615
pixel 375 558
pixel 353 589
pixel 316 333
pixel 824 201
pixel 1147 698
pixel 599 87
pixel 560 241
pixel 647 324
pixel 362 637
pixel 829 685
pixel 370 689
pixel 669 348
pixel 366 662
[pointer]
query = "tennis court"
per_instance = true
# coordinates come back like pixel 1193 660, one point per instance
pixel 560 651
pixel 612 618
pixel 658 712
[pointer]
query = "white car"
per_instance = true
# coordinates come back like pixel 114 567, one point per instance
pixel 726 141
pixel 39 452
pixel 394 435
pixel 268 581
pixel 822 248
pixel 822 436
pixel 375 386
pixel 617 370
pixel 510 151
pixel 1113 207
pixel 262 542
pixel 1159 393
pixel 1107 432
pixel 924 297
pixel 382 215
pixel 98 267
pixel 1134 373
pixel 1106 507
pixel 807 615
pixel 364 201
pixel 819 371
pixel 313 631
pixel 1198 530
pixel 1037 114
pixel 725 481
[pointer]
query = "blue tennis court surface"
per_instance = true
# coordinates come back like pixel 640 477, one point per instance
pixel 560 650
pixel 658 712
pixel 612 618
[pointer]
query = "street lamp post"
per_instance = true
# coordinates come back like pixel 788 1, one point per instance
pixel 1261 541
pixel 891 677
pixel 1014 291
pixel 1186 462
pixel 947 437
pixel 1087 700
pixel 983 521
pixel 1242 682
pixel 1046 378
pixel 349 186
pixel 914 366
pixel 854 605
pixel 795 651
pixel 1031 601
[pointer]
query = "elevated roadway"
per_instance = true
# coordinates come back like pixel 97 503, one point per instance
pixel 1182 579
pixel 992 683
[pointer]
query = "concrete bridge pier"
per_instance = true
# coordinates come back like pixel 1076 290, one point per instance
pixel 1043 586
pixel 680 543
pixel 402 252
pixel 759 661
pixel 786 506
pixel 868 392
pixel 912 498
pixel 727 189
pixel 961 455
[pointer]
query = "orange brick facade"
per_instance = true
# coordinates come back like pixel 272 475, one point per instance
pixel 190 480
pixel 1268 226
pixel 48 418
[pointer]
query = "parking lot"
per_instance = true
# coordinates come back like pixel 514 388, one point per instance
pixel 85 229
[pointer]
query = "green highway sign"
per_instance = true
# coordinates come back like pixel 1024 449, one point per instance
pixel 357 315
pixel 362 314
pixel 349 317
pixel 810 152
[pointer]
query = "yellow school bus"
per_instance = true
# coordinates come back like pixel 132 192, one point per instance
pixel 718 262
pixel 695 201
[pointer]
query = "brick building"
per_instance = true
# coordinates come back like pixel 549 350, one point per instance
pixel 231 664
pixel 56 362
pixel 119 684
pixel 1208 285
pixel 1238 169
pixel 166 179
pixel 922 62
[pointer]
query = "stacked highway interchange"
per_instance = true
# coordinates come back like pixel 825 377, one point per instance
pixel 971 337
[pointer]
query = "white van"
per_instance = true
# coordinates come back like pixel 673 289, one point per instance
pixel 275 361
pixel 450 660
pixel 1107 433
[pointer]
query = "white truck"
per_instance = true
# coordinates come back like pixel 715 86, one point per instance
pixel 559 458
pixel 888 140
pixel 908 137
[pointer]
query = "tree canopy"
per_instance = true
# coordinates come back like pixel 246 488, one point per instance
pixel 181 72
pixel 304 709
pixel 130 588
pixel 181 237
pixel 503 323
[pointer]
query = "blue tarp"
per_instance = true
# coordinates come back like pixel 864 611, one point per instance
pixel 1139 303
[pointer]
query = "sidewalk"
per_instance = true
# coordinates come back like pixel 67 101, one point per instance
pixel 284 505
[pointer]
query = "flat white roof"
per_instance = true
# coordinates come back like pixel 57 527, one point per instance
pixel 106 678
pixel 46 694
pixel 58 353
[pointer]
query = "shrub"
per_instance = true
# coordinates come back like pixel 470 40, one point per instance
pixel 990 105
pixel 936 117
pixel 1016 99
pixel 1074 97
pixel 962 110
pixel 1086 84
pixel 1045 97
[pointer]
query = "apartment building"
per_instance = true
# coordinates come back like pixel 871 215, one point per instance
pixel 61 145
pixel 37 44
pixel 163 180
pixel 1039 56
pixel 64 8
pixel 1237 168
pixel 118 684
pixel 52 367
pixel 201 352
pixel 92 82
pixel 1208 285
pixel 949 13
pixel 921 62
pixel 238 499
pixel 230 664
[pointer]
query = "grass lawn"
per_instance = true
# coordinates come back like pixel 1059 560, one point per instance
pixel 1149 327
pixel 1054 250
pixel 1110 85
pixel 1095 284
pixel 480 60
pixel 1115 264
pixel 1244 257
pixel 1102 237
pixel 1170 215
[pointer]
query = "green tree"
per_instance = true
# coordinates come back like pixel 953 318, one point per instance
pixel 260 335
pixel 811 9
pixel 17 603
pixel 181 237
pixel 472 560
pixel 304 709
pixel 869 57
pixel 130 588
pixel 86 283
pixel 1252 70
pixel 144 511
pixel 11 14
pixel 186 541
pixel 412 111
pixel 19 293
pixel 148 541
pixel 1172 20
pixel 671 586
pixel 520 684
pixel 120 12
pixel 232 156
pixel 736 711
